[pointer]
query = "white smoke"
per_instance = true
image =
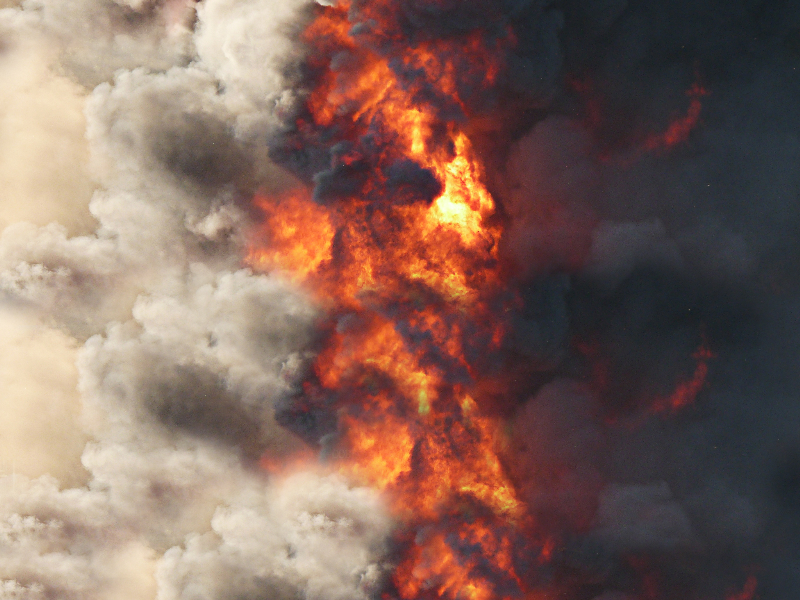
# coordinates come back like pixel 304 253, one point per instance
pixel 141 362
pixel 310 537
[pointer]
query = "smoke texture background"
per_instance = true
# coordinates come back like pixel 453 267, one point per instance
pixel 141 365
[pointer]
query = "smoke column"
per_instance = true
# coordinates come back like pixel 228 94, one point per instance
pixel 399 299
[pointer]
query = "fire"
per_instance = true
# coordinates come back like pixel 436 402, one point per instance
pixel 434 567
pixel 408 279
pixel 676 133
pixel 301 234
pixel 680 129
pixel 686 391
pixel 398 241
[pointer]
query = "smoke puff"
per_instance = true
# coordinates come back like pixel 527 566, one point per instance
pixel 310 537
pixel 557 446
pixel 61 276
pixel 246 47
pixel 171 122
pixel 409 182
pixel 212 365
pixel 307 535
pixel 65 544
pixel 547 180
pixel 99 37
pixel 340 181
pixel 147 224
pixel 642 517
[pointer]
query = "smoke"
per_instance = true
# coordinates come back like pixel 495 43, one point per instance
pixel 42 122
pixel 671 247
pixel 310 538
pixel 39 378
pixel 143 365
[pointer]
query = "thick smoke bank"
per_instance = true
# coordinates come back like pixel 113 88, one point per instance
pixel 143 366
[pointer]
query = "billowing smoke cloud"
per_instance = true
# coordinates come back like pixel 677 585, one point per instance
pixel 142 363
pixel 143 366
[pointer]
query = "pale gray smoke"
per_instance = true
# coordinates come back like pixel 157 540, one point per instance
pixel 141 362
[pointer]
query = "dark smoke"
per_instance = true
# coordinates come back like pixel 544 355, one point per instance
pixel 696 240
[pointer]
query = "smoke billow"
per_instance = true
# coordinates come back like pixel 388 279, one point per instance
pixel 142 363
pixel 650 232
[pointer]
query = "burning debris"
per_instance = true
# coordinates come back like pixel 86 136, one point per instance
pixel 395 299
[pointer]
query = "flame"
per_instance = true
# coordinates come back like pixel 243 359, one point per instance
pixel 403 255
pixel 409 282
pixel 686 391
pixel 434 566
pixel 301 235
pixel 680 128
pixel 676 133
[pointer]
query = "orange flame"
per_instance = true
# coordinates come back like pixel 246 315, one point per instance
pixel 410 282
